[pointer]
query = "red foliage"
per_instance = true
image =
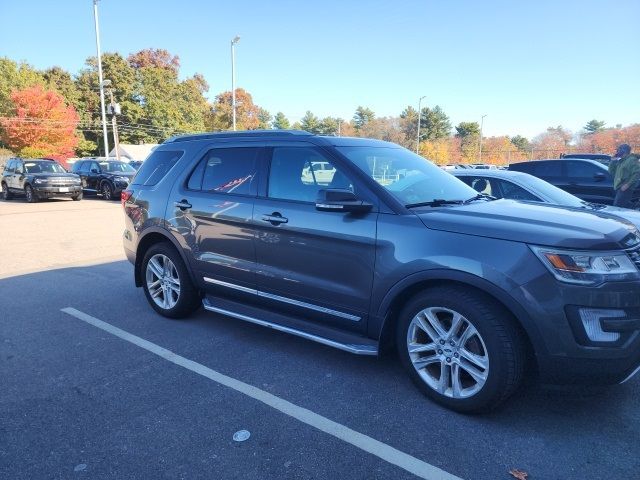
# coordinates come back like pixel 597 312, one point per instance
pixel 43 124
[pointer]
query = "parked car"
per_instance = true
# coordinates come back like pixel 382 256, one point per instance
pixel 106 177
pixel 524 187
pixel 135 164
pixel 586 179
pixel 38 179
pixel 475 293
pixel 600 157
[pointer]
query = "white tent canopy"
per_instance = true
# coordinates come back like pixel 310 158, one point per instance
pixel 134 152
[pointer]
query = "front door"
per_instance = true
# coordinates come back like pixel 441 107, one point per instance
pixel 314 265
pixel 212 212
pixel 92 176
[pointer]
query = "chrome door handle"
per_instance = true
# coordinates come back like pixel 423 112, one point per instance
pixel 275 218
pixel 183 204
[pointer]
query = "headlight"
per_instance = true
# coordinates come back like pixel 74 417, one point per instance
pixel 40 181
pixel 587 267
pixel 121 179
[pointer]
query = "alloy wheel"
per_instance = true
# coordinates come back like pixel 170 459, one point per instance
pixel 106 191
pixel 448 352
pixel 163 281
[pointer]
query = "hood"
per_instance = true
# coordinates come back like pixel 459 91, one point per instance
pixel 537 224
pixel 626 214
pixel 47 175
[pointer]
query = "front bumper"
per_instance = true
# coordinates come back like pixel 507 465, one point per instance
pixel 49 191
pixel 563 351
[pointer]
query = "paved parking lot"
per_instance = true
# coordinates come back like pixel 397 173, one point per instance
pixel 108 389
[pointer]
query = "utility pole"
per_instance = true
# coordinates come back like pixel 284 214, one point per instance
pixel 235 40
pixel 480 146
pixel 419 121
pixel 104 114
pixel 114 111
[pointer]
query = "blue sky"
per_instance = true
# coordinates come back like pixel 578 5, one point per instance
pixel 526 65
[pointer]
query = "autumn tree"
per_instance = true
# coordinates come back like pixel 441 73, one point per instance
pixel 247 113
pixel 553 142
pixel 594 126
pixel 14 76
pixel 42 125
pixel 280 122
pixel 362 117
pixel 469 135
pixel 384 128
pixel 155 58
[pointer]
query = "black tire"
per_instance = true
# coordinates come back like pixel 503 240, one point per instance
pixel 31 196
pixel 107 191
pixel 77 197
pixel 6 194
pixel 499 340
pixel 189 298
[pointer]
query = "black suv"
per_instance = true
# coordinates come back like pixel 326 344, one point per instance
pixel 589 180
pixel 600 157
pixel 106 177
pixel 38 179
pixel 359 244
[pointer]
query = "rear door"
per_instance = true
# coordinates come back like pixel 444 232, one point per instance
pixel 93 176
pixel 313 265
pixel 589 182
pixel 19 175
pixel 8 174
pixel 212 211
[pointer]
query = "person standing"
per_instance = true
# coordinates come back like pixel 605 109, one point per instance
pixel 626 173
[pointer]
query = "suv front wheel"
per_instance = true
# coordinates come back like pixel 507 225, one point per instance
pixel 6 194
pixel 107 191
pixel 167 284
pixel 460 348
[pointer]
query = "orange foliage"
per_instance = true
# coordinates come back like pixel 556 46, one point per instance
pixel 43 124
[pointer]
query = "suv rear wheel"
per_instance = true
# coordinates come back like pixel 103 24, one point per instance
pixel 461 349
pixel 6 194
pixel 167 284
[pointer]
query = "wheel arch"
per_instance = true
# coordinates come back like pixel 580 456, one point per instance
pixel 152 237
pixel 394 300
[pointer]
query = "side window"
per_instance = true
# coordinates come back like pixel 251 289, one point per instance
pixel 10 166
pixel 516 192
pixel 156 167
pixel 482 185
pixel 548 169
pixel 298 173
pixel 75 168
pixel 582 170
pixel 94 167
pixel 227 170
pixel 19 167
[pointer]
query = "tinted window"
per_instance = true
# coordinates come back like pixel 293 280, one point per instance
pixel 116 167
pixel 298 173
pixel 227 170
pixel 19 167
pixel 156 167
pixel 10 166
pixel 582 170
pixel 515 192
pixel 548 169
pixel 43 167
pixel 481 185
pixel 76 167
pixel 94 166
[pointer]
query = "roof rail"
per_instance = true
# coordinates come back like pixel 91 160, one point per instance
pixel 242 133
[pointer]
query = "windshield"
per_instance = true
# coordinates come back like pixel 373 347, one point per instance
pixel 553 193
pixel 410 178
pixel 116 167
pixel 43 167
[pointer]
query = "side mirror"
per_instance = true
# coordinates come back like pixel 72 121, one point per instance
pixel 598 177
pixel 340 200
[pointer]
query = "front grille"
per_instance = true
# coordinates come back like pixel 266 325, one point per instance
pixel 634 255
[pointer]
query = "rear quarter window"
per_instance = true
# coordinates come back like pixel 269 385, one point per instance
pixel 156 167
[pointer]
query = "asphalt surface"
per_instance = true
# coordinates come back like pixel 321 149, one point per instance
pixel 78 402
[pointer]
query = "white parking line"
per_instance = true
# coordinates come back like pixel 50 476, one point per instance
pixel 357 439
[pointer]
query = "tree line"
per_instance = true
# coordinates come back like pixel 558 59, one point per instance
pixel 56 114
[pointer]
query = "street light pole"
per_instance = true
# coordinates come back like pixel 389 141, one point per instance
pixel 104 114
pixel 419 120
pixel 114 111
pixel 480 146
pixel 235 40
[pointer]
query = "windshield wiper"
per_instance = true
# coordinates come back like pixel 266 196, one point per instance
pixel 436 202
pixel 480 196
pixel 594 206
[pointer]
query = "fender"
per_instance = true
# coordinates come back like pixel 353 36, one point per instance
pixel 380 318
pixel 168 236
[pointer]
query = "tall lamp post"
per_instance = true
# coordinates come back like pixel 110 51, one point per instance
pixel 113 110
pixel 235 40
pixel 419 121
pixel 480 146
pixel 104 114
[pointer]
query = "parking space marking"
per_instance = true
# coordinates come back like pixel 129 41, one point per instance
pixel 370 445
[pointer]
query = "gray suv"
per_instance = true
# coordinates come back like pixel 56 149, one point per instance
pixel 360 245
